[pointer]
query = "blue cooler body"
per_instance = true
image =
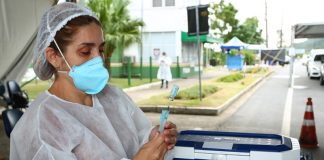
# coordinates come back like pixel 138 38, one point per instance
pixel 203 145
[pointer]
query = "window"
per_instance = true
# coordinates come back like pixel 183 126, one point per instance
pixel 169 2
pixel 157 3
pixel 319 58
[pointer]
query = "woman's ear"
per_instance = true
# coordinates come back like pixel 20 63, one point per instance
pixel 52 57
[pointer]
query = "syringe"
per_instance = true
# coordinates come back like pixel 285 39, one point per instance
pixel 165 112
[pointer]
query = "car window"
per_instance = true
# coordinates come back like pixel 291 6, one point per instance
pixel 319 58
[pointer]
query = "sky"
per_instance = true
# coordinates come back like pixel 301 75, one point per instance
pixel 281 14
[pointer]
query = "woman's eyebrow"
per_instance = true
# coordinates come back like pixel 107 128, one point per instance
pixel 87 44
pixel 91 44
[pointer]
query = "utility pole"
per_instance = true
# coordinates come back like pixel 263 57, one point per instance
pixel 266 21
pixel 198 46
pixel 280 34
pixel 292 55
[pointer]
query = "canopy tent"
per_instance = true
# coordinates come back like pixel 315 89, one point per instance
pixel 18 26
pixel 234 43
pixel 308 30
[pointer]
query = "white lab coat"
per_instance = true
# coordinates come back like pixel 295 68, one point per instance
pixel 52 128
pixel 164 71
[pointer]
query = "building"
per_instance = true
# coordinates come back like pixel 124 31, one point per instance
pixel 165 30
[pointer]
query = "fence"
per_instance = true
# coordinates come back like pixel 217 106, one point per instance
pixel 128 68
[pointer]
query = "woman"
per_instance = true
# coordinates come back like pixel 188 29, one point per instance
pixel 80 117
pixel 164 72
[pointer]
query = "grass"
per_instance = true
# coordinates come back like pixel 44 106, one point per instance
pixel 256 70
pixel 36 87
pixel 231 78
pixel 193 92
pixel 225 90
pixel 123 82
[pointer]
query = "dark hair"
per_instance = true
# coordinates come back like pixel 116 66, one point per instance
pixel 64 36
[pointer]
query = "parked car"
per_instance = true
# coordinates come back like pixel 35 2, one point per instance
pixel 314 63
pixel 286 61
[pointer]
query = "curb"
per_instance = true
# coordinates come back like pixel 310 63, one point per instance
pixel 204 110
pixel 144 86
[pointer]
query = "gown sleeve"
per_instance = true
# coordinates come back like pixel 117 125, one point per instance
pixel 53 135
pixel 43 152
pixel 142 123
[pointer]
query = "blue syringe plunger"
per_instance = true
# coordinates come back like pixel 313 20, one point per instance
pixel 174 92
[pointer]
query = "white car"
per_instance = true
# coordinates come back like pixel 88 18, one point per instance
pixel 314 64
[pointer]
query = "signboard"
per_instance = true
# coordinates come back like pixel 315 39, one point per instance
pixel 203 20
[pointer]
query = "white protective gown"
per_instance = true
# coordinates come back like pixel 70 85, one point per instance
pixel 52 128
pixel 164 71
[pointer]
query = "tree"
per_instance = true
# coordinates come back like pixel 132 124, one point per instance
pixel 249 57
pixel 223 20
pixel 119 29
pixel 225 25
pixel 248 31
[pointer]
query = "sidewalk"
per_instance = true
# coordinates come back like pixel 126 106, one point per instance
pixel 140 93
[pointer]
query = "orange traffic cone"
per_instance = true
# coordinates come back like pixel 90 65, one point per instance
pixel 308 138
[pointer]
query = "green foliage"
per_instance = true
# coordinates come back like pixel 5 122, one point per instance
pixel 248 32
pixel 256 70
pixel 234 52
pixel 249 57
pixel 225 22
pixel 119 29
pixel 227 26
pixel 219 57
pixel 231 78
pixel 35 87
pixel 193 92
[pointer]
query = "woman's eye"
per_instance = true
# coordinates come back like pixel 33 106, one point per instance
pixel 86 53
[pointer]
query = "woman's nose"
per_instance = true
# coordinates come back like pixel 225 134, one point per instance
pixel 96 54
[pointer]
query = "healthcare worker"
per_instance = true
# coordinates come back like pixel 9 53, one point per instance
pixel 80 116
pixel 164 72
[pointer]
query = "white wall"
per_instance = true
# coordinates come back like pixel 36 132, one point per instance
pixel 160 19
pixel 164 41
pixel 170 20
pixel 165 18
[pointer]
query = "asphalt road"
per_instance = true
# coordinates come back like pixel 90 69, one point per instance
pixel 269 108
pixel 305 87
pixel 264 109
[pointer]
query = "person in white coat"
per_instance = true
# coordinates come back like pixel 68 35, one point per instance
pixel 164 72
pixel 80 117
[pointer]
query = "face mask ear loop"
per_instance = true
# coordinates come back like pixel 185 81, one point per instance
pixel 62 55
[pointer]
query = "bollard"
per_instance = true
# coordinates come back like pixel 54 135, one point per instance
pixel 129 70
pixel 141 67
pixel 178 67
pixel 150 68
